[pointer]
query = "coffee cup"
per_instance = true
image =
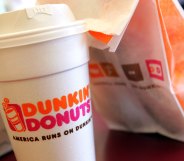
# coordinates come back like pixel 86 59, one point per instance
pixel 44 84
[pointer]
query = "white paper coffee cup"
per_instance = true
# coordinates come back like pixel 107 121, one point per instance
pixel 44 84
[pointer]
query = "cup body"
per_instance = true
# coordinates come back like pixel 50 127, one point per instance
pixel 46 105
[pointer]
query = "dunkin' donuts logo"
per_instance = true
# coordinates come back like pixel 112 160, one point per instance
pixel 155 69
pixel 102 70
pixel 48 113
pixel 14 116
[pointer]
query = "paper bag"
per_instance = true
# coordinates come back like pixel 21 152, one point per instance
pixel 106 20
pixel 136 68
pixel 140 88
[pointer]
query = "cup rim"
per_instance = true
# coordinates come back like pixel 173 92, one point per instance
pixel 41 34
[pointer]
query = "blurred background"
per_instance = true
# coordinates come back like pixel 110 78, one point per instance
pixel 182 3
pixel 9 5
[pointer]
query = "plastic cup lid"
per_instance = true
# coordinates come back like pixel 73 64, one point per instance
pixel 38 24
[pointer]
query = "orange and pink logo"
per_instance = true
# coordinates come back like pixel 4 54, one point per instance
pixel 49 113
pixel 100 70
pixel 14 116
pixel 155 69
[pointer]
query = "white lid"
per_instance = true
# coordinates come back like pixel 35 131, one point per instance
pixel 25 51
pixel 37 24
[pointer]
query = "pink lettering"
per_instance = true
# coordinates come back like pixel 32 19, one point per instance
pixel 74 115
pixel 48 122
pixel 32 124
pixel 63 118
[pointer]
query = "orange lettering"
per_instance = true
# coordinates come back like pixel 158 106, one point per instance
pixel 29 109
pixel 72 99
pixel 80 95
pixel 86 92
pixel 60 103
pixel 47 109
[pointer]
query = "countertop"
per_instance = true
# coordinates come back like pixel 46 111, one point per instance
pixel 124 146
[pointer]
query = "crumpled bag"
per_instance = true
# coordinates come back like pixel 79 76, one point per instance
pixel 106 20
pixel 136 67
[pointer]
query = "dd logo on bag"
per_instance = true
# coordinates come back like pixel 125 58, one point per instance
pixel 102 70
pixel 133 72
pixel 155 69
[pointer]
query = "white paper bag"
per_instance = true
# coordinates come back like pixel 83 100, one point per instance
pixel 140 86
